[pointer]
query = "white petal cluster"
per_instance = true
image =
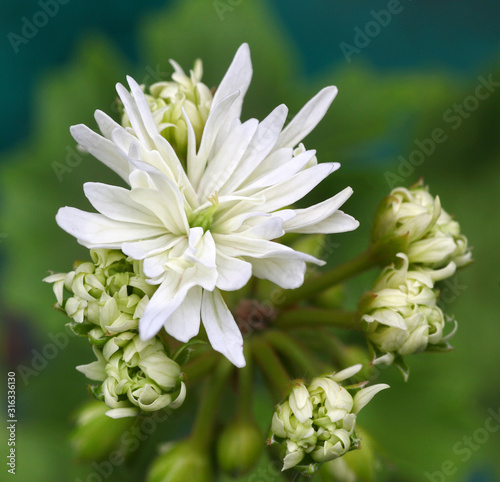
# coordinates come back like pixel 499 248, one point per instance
pixel 316 423
pixel 402 316
pixel 434 237
pixel 206 222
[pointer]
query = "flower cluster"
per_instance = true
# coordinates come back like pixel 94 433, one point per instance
pixel 108 296
pixel 434 237
pixel 136 376
pixel 401 313
pixel 316 423
pixel 208 197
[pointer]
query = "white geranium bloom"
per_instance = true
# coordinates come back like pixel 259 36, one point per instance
pixel 207 223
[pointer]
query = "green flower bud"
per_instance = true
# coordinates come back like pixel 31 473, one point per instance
pixel 181 462
pixel 354 466
pixel 402 317
pixel 434 238
pixel 95 434
pixel 136 376
pixel 110 292
pixel 168 100
pixel 316 423
pixel 239 446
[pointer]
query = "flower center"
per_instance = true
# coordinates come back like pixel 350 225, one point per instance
pixel 204 218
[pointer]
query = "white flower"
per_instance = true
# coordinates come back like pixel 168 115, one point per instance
pixel 210 225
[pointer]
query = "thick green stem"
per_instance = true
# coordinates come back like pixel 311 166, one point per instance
pixel 271 365
pixel 205 418
pixel 291 350
pixel 309 317
pixel 330 278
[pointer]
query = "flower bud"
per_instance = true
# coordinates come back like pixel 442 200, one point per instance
pixel 239 446
pixel 136 376
pixel 171 101
pixel 96 434
pixel 434 237
pixel 402 317
pixel 181 462
pixel 316 423
pixel 109 293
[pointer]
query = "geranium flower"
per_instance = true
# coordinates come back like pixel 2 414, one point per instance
pixel 207 222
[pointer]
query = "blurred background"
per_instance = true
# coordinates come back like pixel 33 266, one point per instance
pixel 404 70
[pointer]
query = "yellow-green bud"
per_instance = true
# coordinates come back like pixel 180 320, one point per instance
pixel 95 434
pixel 182 462
pixel 239 446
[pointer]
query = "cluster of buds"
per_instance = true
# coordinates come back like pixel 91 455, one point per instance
pixel 107 298
pixel 401 314
pixel 434 238
pixel 171 100
pixel 317 422
pixel 135 376
pixel 107 295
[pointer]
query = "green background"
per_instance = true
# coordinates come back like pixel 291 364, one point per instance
pixel 395 92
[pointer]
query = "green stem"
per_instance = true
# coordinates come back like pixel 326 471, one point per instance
pixel 309 317
pixel 198 367
pixel 271 365
pixel 330 278
pixel 210 400
pixel 245 387
pixel 289 348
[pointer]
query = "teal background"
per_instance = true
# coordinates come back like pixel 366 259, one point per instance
pixel 395 91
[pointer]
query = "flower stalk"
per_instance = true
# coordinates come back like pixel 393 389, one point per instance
pixel 308 317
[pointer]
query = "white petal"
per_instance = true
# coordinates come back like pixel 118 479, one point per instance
pixel 222 330
pixel 287 273
pixel 314 215
pixel 226 160
pixel 237 77
pixel 115 203
pixel 295 188
pixel 97 230
pixel 102 149
pixel 150 247
pixel 196 162
pixel 184 323
pixel 261 144
pixel 233 273
pixel 308 118
pixel 166 299
pixel 106 124
pixel 365 395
